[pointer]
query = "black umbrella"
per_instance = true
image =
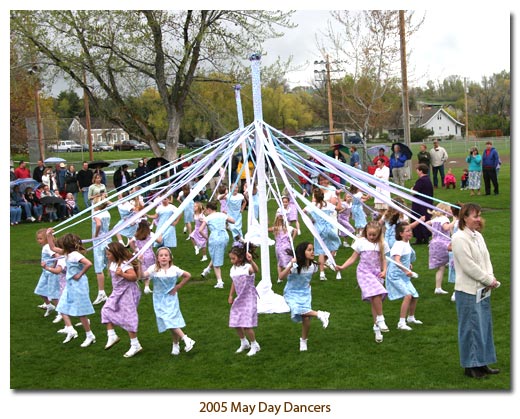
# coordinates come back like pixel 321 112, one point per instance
pixel 50 200
pixel 153 163
pixel 98 164
pixel 404 149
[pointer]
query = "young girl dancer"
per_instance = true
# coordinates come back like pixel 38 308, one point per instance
pixel 344 217
pixel 451 264
pixel 291 209
pixel 215 222
pixel 222 197
pixel 165 276
pixel 282 241
pixel 371 271
pixel 121 307
pixel 75 299
pixel 199 240
pixel 48 287
pixel 188 210
pixel 236 204
pixel 142 236
pixel 360 218
pixel 100 226
pixel 126 209
pixel 398 283
pixel 243 315
pixel 438 256
pixel 297 292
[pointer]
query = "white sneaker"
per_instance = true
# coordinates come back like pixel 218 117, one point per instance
pixel 255 347
pixel 49 310
pixel 147 290
pixel 279 281
pixel 185 229
pixel 322 276
pixel 220 284
pixel 303 345
pixel 63 331
pixel 382 326
pixel 188 238
pixel 58 318
pixel 43 306
pixel 134 349
pixel 413 320
pixel 176 349
pixel 100 298
pixel 440 291
pixel 188 343
pixel 338 275
pixel 403 326
pixel 243 347
pixel 330 265
pixel 323 316
pixel 32 219
pixel 452 297
pixel 88 341
pixel 112 340
pixel 345 244
pixel 71 334
pixel 204 258
pixel 78 324
pixel 197 250
pixel 378 334
pixel 205 272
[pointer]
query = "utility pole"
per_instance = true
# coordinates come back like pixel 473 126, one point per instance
pixel 404 79
pixel 39 121
pixel 466 108
pixel 329 99
pixel 87 117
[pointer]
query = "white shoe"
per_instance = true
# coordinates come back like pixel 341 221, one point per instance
pixel 49 310
pixel 185 229
pixel 58 318
pixel 112 340
pixel 134 349
pixel 188 344
pixel 147 290
pixel 243 347
pixel 279 281
pixel 330 265
pixel 303 345
pixel 453 297
pixel 88 341
pixel 176 349
pixel 255 347
pixel 220 284
pixel 345 244
pixel 205 272
pixel 204 258
pixel 322 276
pixel 100 298
pixel 413 320
pixel 378 334
pixel 382 326
pixel 403 326
pixel 71 334
pixel 78 324
pixel 63 331
pixel 32 219
pixel 43 306
pixel 188 238
pixel 440 291
pixel 323 316
pixel 197 250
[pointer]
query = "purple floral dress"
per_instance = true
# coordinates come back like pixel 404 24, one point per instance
pixel 244 308
pixel 438 248
pixel 148 257
pixel 344 219
pixel 282 244
pixel 200 241
pixel 369 268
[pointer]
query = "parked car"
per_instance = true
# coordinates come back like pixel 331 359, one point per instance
pixel 66 145
pixel 162 146
pixel 198 142
pixel 127 145
pixel 354 138
pixel 311 140
pixel 102 146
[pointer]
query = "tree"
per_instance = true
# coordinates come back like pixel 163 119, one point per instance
pixel 124 52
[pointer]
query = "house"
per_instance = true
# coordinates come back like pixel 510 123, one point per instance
pixel 436 119
pixel 100 131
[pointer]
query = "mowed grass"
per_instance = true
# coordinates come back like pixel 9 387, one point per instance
pixel 342 357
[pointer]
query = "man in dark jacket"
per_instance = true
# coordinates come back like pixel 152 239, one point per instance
pixel 490 162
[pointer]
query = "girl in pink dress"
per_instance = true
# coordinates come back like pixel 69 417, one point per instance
pixel 438 255
pixel 197 238
pixel 243 315
pixel 282 239
pixel 142 236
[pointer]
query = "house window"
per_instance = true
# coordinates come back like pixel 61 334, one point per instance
pixel 448 128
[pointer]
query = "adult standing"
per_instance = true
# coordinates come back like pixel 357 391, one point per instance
pixel 438 156
pixel 71 181
pixel 490 162
pixel 84 178
pixel 473 271
pixel 49 179
pixel 355 160
pixel 423 185
pixel 121 177
pixel 61 170
pixel 423 156
pixel 38 171
pixel 140 171
pixel 97 189
pixel 397 163
pixel 383 174
pixel 381 155
pixel 22 172
pixel 474 161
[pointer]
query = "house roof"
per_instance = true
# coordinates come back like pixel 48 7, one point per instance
pixel 421 118
pixel 98 123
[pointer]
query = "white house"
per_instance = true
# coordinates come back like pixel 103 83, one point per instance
pixel 438 120
pixel 100 130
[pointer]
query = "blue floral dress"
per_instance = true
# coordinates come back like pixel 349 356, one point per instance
pixel 218 237
pixel 169 236
pixel 297 292
pixel 398 285
pixel 49 283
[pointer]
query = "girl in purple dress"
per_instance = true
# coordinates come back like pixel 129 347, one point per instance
pixel 344 218
pixel 197 238
pixel 142 236
pixel 282 239
pixel 371 248
pixel 291 209
pixel 243 315
pixel 121 307
pixel 438 256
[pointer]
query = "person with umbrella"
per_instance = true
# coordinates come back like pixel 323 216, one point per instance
pixel 397 163
pixel 31 198
pixel 97 166
pixel 19 199
pixel 121 177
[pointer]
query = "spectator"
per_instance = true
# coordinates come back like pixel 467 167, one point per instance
pixel 397 163
pixel 22 172
pixel 490 161
pixel 36 207
pixel 49 179
pixel 50 209
pixel 71 182
pixel 424 156
pixel 13 176
pixel 140 171
pixel 464 180
pixel 97 189
pixel 121 177
pixel 15 213
pixel 70 202
pixel 61 170
pixel 438 156
pixel 424 186
pixel 449 179
pixel 19 199
pixel 474 161
pixel 381 155
pixel 84 178
pixel 355 160
pixel 98 170
pixel 38 171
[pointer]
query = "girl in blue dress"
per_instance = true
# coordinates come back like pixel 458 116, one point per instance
pixel 215 223
pixel 297 292
pixel 163 213
pixel 126 210
pixel 358 213
pixel 398 283
pixel 100 227
pixel 75 299
pixel 188 214
pixel 235 205
pixel 48 287
pixel 165 276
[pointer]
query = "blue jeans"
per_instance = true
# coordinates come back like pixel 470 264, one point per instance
pixel 438 170
pixel 84 192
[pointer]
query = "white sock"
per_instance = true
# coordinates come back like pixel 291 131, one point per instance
pixel 90 334
pixel 380 318
pixel 402 320
pixel 111 332
pixel 134 342
pixel 244 341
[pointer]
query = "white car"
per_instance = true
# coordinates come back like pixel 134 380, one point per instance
pixel 66 145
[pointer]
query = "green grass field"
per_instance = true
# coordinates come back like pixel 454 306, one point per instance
pixel 342 357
